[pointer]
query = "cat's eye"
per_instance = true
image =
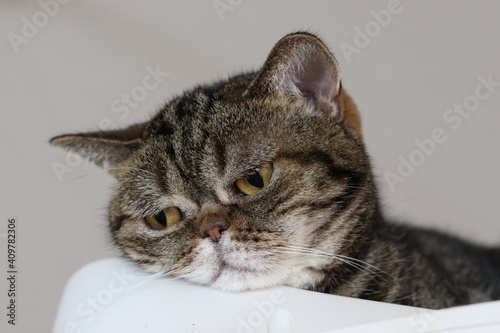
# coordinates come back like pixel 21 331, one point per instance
pixel 164 219
pixel 255 181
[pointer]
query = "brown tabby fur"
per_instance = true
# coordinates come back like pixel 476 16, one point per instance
pixel 317 225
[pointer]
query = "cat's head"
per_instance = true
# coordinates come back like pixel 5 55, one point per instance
pixel 245 183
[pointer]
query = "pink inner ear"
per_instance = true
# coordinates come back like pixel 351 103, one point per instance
pixel 301 65
pixel 315 79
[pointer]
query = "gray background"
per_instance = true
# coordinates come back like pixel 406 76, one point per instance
pixel 66 77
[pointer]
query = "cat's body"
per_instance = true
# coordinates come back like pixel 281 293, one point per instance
pixel 263 180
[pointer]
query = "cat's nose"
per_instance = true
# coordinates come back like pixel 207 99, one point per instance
pixel 213 229
pixel 214 233
pixel 212 226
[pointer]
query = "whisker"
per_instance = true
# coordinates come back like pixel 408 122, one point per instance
pixel 130 168
pixel 146 279
pixel 357 263
pixel 346 261
pixel 107 169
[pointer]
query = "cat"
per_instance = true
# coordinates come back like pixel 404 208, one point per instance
pixel 263 180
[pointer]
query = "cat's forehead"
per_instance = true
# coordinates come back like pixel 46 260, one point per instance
pixel 211 115
pixel 214 131
pixel 224 112
pixel 220 136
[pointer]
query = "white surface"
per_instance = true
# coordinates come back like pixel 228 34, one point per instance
pixel 66 77
pixel 111 295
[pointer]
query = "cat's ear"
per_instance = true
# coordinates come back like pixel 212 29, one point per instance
pixel 104 148
pixel 301 65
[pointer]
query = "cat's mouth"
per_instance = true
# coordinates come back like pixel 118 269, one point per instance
pixel 239 266
pixel 240 261
pixel 235 255
pixel 236 264
pixel 237 278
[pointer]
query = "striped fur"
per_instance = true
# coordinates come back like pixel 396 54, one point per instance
pixel 317 225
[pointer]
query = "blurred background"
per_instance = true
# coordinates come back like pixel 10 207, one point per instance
pixel 425 75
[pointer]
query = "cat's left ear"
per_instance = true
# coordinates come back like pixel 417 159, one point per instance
pixel 301 65
pixel 104 148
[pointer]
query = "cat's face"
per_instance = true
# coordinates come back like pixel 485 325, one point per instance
pixel 243 184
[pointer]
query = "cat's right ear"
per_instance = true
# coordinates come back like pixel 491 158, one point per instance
pixel 104 148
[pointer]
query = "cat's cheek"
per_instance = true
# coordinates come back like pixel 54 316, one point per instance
pixel 305 243
pixel 304 278
pixel 204 264
pixel 154 250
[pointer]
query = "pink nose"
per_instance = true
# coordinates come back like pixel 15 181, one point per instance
pixel 212 224
pixel 214 233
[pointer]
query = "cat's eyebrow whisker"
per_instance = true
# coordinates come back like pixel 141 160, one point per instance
pixel 116 168
pixel 97 171
pixel 130 168
pixel 82 176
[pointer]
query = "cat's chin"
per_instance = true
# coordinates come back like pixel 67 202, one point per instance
pixel 233 278
pixel 237 280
